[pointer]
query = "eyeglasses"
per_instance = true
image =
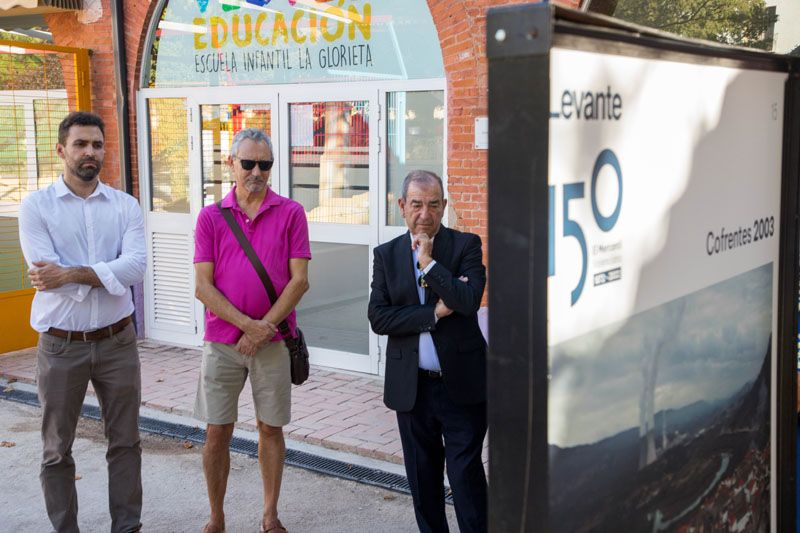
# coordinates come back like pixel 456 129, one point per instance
pixel 249 164
pixel 421 282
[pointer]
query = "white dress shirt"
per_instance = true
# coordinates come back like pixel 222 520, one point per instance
pixel 428 358
pixel 105 232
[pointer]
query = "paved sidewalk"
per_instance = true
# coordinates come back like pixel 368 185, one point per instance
pixel 332 409
pixel 175 491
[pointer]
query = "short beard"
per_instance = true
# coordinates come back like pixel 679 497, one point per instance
pixel 85 173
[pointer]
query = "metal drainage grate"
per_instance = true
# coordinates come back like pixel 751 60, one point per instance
pixel 296 458
pixel 19 396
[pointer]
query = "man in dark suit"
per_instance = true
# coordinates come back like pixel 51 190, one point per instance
pixel 426 290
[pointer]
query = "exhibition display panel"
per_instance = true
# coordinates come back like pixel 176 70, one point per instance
pixel 643 197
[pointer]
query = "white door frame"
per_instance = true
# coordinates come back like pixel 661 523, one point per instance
pixel 339 233
pixel 385 232
pixel 181 225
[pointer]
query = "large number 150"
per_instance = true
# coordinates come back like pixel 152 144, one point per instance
pixel 571 228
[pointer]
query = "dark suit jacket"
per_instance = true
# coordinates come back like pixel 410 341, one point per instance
pixel 394 310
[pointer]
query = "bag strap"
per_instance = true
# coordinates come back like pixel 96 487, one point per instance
pixel 283 327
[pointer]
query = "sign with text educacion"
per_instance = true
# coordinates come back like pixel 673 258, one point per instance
pixel 247 42
pixel 665 204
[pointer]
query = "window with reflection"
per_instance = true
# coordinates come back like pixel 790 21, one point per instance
pixel 415 141
pixel 220 124
pixel 13 153
pixel 47 114
pixel 169 155
pixel 329 160
pixel 332 312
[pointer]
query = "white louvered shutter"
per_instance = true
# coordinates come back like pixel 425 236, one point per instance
pixel 173 297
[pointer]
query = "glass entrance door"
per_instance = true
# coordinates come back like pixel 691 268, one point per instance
pixel 329 166
pixel 326 161
pixel 189 140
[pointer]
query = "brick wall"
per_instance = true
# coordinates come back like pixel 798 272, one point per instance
pixel 136 20
pixel 67 31
pixel 97 36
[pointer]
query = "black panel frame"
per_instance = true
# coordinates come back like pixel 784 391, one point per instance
pixel 789 270
pixel 519 117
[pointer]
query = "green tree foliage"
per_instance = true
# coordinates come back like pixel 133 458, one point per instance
pixel 737 22
pixel 33 71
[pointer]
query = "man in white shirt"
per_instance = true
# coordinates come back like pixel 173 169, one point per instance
pixel 84 244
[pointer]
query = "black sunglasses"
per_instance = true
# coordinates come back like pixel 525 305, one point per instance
pixel 249 164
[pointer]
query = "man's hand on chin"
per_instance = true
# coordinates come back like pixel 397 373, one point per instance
pixel 424 247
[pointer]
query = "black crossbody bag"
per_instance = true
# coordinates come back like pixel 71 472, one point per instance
pixel 298 350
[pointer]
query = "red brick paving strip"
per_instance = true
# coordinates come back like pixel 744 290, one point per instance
pixel 338 411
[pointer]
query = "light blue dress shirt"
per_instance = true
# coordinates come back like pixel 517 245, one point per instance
pixel 428 358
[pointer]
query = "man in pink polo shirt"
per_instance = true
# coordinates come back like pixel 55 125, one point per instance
pixel 242 336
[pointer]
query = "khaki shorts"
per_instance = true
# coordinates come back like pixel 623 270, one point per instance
pixel 222 376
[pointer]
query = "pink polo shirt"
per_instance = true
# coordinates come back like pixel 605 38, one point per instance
pixel 279 232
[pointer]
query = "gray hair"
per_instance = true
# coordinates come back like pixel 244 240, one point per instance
pixel 254 134
pixel 422 176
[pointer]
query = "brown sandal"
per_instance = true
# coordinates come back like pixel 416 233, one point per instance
pixel 207 530
pixel 273 527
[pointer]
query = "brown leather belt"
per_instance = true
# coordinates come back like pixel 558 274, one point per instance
pixel 96 335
